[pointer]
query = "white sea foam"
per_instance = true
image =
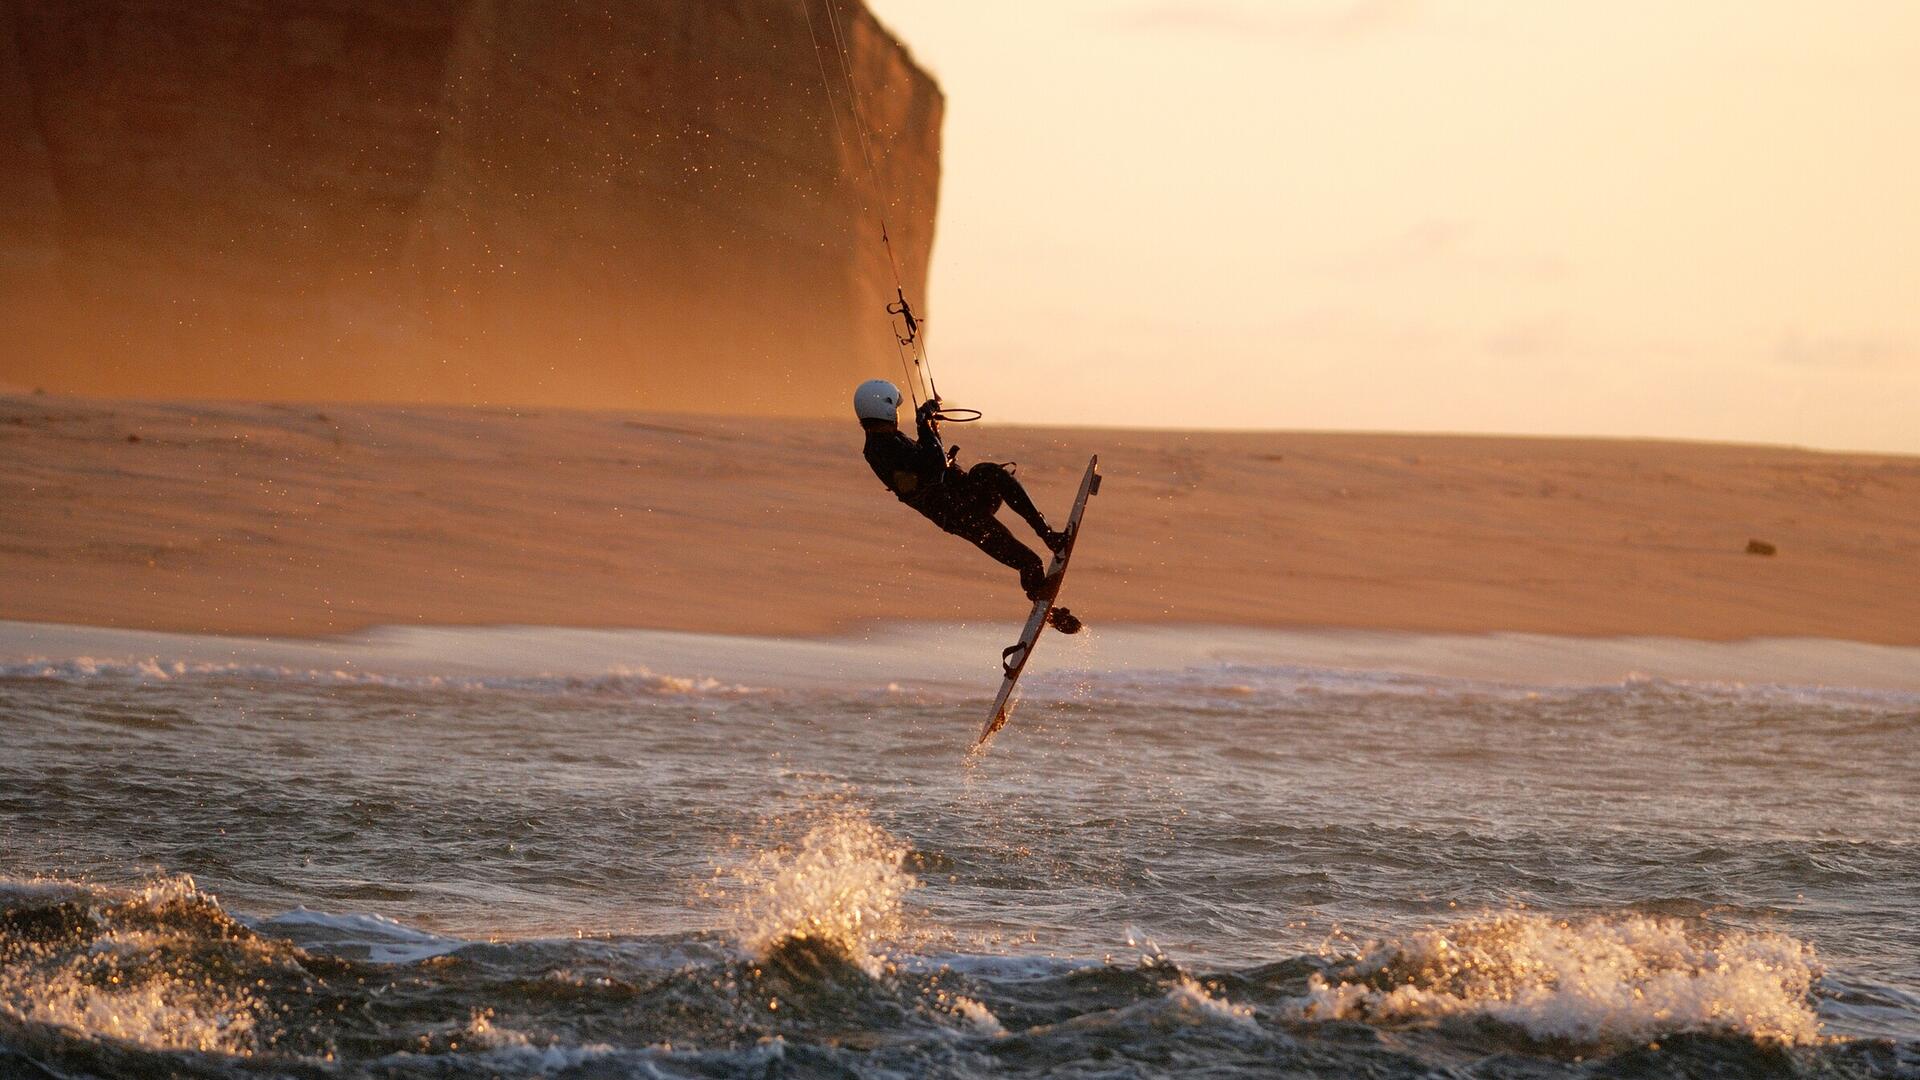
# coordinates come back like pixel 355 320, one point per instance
pixel 990 965
pixel 1249 685
pixel 373 937
pixel 482 1040
pixel 615 681
pixel 973 1015
pixel 1598 981
pixel 162 1013
pixel 1186 1004
pixel 1190 998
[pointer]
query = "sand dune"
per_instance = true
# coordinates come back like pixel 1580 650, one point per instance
pixel 312 520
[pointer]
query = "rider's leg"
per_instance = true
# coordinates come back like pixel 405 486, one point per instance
pixel 987 534
pixel 1000 480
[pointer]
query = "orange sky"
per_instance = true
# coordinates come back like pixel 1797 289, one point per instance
pixel 1624 218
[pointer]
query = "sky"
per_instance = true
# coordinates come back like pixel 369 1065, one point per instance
pixel 1695 220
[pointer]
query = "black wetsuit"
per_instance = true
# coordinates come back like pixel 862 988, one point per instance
pixel 961 502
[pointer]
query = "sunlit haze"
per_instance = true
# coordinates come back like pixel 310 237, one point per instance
pixel 1681 220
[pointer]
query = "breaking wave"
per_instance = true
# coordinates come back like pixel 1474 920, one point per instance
pixel 1594 982
pixel 149 966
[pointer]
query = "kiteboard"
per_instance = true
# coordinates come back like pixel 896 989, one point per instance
pixel 1013 660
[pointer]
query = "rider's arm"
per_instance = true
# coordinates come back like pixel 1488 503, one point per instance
pixel 929 452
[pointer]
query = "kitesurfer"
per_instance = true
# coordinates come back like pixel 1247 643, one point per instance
pixel 961 501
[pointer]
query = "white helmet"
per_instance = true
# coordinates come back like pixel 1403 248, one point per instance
pixel 876 399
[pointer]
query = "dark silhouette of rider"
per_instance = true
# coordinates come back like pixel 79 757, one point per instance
pixel 963 502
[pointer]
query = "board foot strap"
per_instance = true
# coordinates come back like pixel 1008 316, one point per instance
pixel 1006 658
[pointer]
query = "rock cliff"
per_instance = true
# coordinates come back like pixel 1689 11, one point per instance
pixel 557 202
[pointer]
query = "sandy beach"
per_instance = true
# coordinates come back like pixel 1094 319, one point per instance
pixel 318 519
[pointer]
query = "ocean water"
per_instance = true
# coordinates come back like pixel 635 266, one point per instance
pixel 559 853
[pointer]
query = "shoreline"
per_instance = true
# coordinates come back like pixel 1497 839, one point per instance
pixel 317 520
pixel 958 658
pixel 863 629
